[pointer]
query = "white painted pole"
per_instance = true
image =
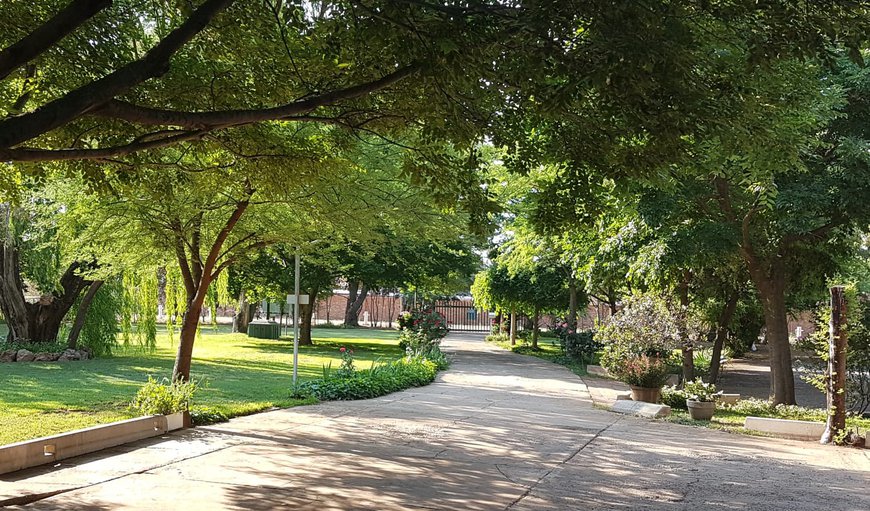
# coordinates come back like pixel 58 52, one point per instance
pixel 296 319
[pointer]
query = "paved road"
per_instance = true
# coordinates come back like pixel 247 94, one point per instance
pixel 750 376
pixel 497 431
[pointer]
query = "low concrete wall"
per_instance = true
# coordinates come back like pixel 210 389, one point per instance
pixel 799 430
pixel 49 449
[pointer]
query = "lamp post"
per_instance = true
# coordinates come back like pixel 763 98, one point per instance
pixel 296 318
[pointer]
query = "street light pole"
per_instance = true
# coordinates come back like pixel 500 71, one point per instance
pixel 296 319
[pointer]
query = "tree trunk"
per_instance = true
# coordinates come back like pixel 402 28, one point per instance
pixel 41 321
pixel 198 275
pixel 836 384
pixel 611 297
pixel 189 324
pixel 572 305
pixel 535 328
pixel 772 293
pixel 243 314
pixel 357 292
pixel 513 327
pixel 82 314
pixel 687 348
pixel 721 334
pixel 306 312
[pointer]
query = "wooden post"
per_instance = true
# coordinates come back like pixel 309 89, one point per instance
pixel 836 424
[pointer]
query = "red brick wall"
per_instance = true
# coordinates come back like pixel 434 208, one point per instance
pixel 376 310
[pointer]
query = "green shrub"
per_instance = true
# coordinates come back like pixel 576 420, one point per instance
pixel 498 338
pixel 699 391
pixel 163 398
pixel 580 346
pixel 206 416
pixel 426 321
pixel 415 340
pixel 762 408
pixel 703 359
pixel 378 381
pixel 674 397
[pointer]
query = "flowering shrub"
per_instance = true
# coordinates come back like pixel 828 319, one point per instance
pixel 641 337
pixel 422 331
pixel 347 367
pixel 426 321
pixel 644 371
pixel 699 391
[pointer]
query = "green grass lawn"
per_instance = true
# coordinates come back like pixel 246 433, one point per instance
pixel 549 350
pixel 243 375
pixel 727 419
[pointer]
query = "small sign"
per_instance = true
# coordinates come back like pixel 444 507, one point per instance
pixel 303 300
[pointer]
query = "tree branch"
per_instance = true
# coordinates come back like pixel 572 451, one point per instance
pixel 227 262
pixel 222 236
pixel 116 109
pixel 33 154
pixel 180 254
pixel 74 104
pixel 49 33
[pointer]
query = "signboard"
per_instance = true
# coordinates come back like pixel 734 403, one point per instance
pixel 303 300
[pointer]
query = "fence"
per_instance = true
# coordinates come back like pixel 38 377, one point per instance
pixel 463 316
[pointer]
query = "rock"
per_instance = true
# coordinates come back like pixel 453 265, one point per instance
pixel 642 409
pixel 24 356
pixel 45 357
pixel 8 356
pixel 83 355
pixel 70 354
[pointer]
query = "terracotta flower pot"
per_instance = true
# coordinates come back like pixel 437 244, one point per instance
pixel 701 410
pixel 646 394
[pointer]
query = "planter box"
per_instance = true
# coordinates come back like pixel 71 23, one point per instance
pixel 177 420
pixel 50 449
pixel 800 430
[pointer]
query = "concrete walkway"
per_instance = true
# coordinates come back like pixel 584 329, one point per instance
pixel 497 431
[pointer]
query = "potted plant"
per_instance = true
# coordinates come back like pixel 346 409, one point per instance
pixel 638 341
pixel 646 376
pixel 701 400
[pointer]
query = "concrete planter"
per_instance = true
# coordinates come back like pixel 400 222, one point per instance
pixel 178 420
pixel 50 449
pixel 646 394
pixel 701 410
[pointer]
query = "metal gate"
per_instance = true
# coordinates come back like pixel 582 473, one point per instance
pixel 463 316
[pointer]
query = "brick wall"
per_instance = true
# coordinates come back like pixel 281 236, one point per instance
pixel 376 310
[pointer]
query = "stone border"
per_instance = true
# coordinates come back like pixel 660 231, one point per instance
pixel 49 449
pixel 786 428
pixel 24 355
